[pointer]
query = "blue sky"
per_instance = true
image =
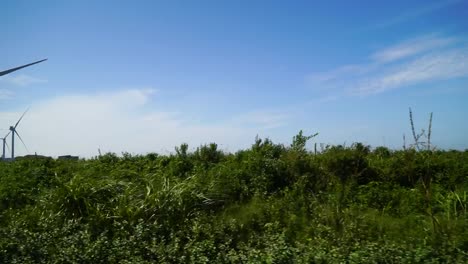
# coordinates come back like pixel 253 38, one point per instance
pixel 143 76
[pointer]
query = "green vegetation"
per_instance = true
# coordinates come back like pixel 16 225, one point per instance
pixel 267 204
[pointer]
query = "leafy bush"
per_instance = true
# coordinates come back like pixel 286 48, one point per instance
pixel 267 204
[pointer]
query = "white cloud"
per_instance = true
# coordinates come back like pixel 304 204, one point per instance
pixel 120 121
pixel 423 59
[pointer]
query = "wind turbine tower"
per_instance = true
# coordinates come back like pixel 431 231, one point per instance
pixel 4 144
pixel 13 132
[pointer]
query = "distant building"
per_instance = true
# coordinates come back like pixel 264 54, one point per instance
pixel 68 157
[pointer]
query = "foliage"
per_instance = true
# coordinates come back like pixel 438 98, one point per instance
pixel 267 204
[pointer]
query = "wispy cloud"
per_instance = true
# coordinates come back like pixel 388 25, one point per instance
pixel 423 59
pixel 431 67
pixel 22 80
pixel 411 48
pixel 262 119
pixel 5 94
pixel 412 14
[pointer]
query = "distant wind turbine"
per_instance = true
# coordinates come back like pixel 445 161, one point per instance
pixel 13 132
pixel 20 67
pixel 4 144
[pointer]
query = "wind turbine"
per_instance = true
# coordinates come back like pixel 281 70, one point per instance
pixel 13 132
pixel 20 67
pixel 4 144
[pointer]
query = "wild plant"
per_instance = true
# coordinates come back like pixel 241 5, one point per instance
pixel 426 178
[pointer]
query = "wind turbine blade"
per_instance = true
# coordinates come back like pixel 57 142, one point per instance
pixel 8 147
pixel 7 134
pixel 22 141
pixel 20 67
pixel 21 118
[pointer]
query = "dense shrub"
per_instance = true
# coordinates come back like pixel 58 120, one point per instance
pixel 267 204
